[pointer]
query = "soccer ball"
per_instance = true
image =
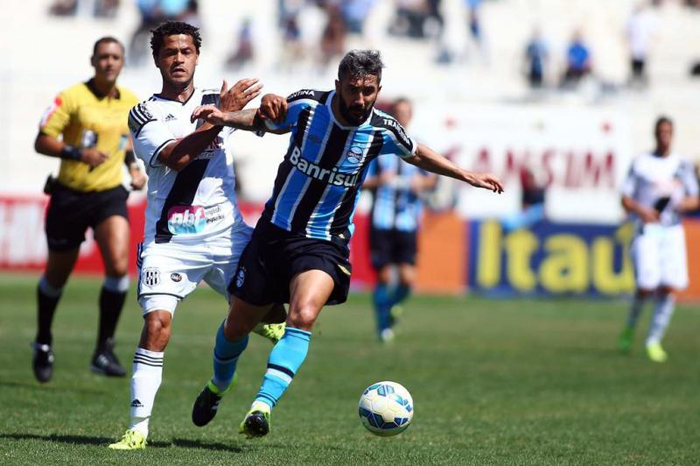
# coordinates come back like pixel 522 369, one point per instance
pixel 386 408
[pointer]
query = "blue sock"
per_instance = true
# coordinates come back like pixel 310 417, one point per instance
pixel 382 306
pixel 286 358
pixel 400 294
pixel 226 355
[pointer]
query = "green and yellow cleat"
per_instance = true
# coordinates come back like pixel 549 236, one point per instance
pixel 272 332
pixel 257 422
pixel 132 440
pixel 207 403
pixel 656 353
pixel 625 341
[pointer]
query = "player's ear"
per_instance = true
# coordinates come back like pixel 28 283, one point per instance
pixel 337 86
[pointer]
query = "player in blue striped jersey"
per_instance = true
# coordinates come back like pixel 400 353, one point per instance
pixel 299 251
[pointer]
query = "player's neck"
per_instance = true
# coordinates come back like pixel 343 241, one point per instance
pixel 179 94
pixel 662 152
pixel 335 106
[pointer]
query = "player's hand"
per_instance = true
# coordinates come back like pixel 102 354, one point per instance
pixel 93 157
pixel 486 181
pixel 138 179
pixel 273 107
pixel 237 97
pixel 649 215
pixel 210 114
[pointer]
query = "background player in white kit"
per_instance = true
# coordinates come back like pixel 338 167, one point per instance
pixel 661 186
pixel 194 230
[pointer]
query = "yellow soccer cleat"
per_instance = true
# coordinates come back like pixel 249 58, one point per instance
pixel 132 440
pixel 656 353
pixel 272 332
pixel 257 422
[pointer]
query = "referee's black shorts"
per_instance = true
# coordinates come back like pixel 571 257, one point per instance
pixel 389 247
pixel 274 256
pixel 70 213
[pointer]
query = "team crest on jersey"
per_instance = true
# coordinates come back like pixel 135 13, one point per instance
pixel 355 154
pixel 150 276
pixel 176 277
pixel 240 277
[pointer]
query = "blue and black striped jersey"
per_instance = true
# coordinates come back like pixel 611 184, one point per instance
pixel 396 205
pixel 318 182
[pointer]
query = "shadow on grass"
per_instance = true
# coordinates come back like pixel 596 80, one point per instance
pixel 49 388
pixel 104 441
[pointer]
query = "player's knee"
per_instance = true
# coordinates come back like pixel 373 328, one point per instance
pixel 303 316
pixel 235 329
pixel 118 266
pixel 157 328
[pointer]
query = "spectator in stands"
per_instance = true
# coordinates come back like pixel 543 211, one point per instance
pixel 532 202
pixel 106 8
pixel 63 8
pixel 243 53
pixel 154 12
pixel 578 61
pixel 536 58
pixel 333 38
pixel 641 27
pixel 410 16
pixel 354 14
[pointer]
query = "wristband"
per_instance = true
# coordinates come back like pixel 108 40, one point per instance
pixel 70 153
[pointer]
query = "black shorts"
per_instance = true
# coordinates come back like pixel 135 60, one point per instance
pixel 392 247
pixel 274 256
pixel 71 212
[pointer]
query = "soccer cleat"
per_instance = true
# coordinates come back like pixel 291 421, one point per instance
pixel 656 353
pixel 386 335
pixel 132 440
pixel 625 340
pixel 104 361
pixel 272 332
pixel 207 402
pixel 42 362
pixel 257 421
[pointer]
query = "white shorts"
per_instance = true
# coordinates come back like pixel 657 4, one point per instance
pixel 168 272
pixel 659 257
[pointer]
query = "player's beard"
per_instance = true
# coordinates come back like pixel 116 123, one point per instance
pixel 345 112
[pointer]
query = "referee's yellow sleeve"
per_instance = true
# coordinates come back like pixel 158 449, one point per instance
pixel 58 115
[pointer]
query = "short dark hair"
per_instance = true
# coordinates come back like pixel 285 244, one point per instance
pixel 360 63
pixel 172 28
pixel 660 121
pixel 106 40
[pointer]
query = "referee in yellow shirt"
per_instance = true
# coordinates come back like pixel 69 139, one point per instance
pixel 86 126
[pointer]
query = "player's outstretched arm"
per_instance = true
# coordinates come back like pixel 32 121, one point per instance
pixel 178 154
pixel 431 161
pixel 273 108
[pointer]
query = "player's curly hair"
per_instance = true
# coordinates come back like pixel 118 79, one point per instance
pixel 172 28
pixel 360 63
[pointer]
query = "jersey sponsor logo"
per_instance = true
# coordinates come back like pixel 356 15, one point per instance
pixel 57 102
pixel 176 277
pixel 184 220
pixel 322 174
pixel 399 130
pixel 240 277
pixel 150 276
pixel 302 93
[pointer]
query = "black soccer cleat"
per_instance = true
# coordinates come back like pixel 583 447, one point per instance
pixel 206 405
pixel 256 424
pixel 105 362
pixel 42 362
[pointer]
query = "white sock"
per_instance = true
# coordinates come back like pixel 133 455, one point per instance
pixel 145 381
pixel 663 310
pixel 636 310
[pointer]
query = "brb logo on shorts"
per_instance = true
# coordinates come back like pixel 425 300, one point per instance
pixel 184 220
pixel 150 276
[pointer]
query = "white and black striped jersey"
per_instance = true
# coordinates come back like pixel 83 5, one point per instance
pixel 198 201
pixel 656 182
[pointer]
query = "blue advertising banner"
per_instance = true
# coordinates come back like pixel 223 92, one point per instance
pixel 550 259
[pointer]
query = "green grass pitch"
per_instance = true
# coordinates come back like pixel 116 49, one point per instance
pixel 513 382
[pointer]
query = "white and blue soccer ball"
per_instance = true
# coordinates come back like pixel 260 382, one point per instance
pixel 386 408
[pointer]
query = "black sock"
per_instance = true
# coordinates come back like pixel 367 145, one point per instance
pixel 111 304
pixel 46 309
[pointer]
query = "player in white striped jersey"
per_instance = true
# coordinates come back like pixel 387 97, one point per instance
pixel 660 187
pixel 194 230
